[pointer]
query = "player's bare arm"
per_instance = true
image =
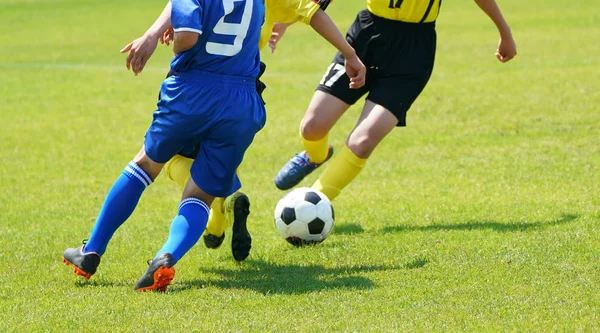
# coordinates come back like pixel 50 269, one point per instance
pixel 141 49
pixel 184 40
pixel 355 69
pixel 276 34
pixel 507 49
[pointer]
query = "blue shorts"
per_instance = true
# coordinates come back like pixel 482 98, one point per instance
pixel 219 113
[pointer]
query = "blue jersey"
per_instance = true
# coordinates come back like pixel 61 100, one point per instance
pixel 229 34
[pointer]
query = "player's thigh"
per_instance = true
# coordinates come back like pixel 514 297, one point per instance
pixel 334 95
pixel 173 124
pixel 222 150
pixel 401 57
pixel 323 112
pixel 374 124
pixel 215 168
pixel 164 137
pixel 398 93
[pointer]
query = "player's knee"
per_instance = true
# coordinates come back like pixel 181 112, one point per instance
pixel 362 146
pixel 312 129
pixel 148 165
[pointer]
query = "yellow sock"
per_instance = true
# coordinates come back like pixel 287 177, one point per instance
pixel 344 167
pixel 216 219
pixel 178 170
pixel 317 150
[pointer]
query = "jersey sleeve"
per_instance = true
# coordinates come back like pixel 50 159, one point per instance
pixel 305 9
pixel 185 15
pixel 322 3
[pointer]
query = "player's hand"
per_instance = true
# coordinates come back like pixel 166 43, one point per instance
pixel 507 49
pixel 356 71
pixel 276 34
pixel 167 37
pixel 140 50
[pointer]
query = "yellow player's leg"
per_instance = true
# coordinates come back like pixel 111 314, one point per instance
pixel 322 113
pixel 178 170
pixel 374 124
pixel 217 223
pixel 343 168
pixel 317 151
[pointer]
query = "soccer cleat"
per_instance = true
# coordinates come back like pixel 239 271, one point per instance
pixel 85 264
pixel 159 275
pixel 212 242
pixel 296 169
pixel 239 205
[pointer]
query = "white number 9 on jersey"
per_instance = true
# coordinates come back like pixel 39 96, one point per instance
pixel 239 30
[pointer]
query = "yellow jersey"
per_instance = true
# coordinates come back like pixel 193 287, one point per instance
pixel 411 11
pixel 288 11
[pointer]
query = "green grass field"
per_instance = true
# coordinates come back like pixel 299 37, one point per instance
pixel 482 215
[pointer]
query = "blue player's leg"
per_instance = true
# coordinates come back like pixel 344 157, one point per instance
pixel 224 131
pixel 189 224
pixel 161 143
pixel 120 202
pixel 178 170
pixel 186 229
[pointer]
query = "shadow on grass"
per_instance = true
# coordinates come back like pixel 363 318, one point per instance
pixel 268 278
pixel 493 225
pixel 417 262
pixel 348 229
pixel 105 283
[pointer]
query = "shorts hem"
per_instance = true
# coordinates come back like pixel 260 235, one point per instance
pixel 216 193
pixel 331 92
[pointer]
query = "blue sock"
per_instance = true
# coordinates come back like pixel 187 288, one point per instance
pixel 186 228
pixel 118 206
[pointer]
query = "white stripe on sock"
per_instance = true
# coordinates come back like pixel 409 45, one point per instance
pixel 194 201
pixel 141 172
pixel 131 171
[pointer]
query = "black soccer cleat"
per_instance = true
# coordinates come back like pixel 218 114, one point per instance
pixel 241 241
pixel 159 275
pixel 85 264
pixel 213 242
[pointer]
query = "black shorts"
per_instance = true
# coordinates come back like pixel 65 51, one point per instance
pixel 399 57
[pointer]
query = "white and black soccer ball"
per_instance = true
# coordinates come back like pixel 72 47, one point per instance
pixel 304 216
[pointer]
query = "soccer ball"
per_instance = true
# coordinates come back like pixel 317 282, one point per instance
pixel 304 216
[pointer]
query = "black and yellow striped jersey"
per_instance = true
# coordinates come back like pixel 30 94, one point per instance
pixel 412 11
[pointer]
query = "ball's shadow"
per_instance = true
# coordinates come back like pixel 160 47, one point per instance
pixel 348 229
pixel 269 278
pixel 490 225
